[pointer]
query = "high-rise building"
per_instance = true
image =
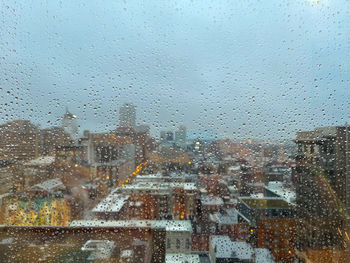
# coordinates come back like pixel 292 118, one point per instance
pixel 52 138
pixel 170 138
pixel 127 115
pixel 70 125
pixel 167 137
pixel 19 140
pixel 180 135
pixel 322 184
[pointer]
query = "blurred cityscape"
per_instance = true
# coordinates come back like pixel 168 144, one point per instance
pixel 124 196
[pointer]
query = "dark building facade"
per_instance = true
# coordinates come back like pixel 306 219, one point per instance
pixel 322 185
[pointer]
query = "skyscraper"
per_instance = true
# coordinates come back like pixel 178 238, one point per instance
pixel 127 115
pixel 70 125
pixel 180 135
pixel 322 183
pixel 167 137
pixel 19 140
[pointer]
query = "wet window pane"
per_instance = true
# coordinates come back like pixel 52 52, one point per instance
pixel 174 131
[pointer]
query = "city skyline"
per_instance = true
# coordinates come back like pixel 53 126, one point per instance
pixel 204 134
pixel 212 68
pixel 175 131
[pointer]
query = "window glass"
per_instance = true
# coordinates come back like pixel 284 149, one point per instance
pixel 174 131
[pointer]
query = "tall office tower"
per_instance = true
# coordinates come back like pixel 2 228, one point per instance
pixel 166 137
pixel 19 140
pixel 127 115
pixel 180 135
pixel 51 138
pixel 70 125
pixel 322 185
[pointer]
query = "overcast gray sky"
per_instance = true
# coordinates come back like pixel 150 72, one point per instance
pixel 243 69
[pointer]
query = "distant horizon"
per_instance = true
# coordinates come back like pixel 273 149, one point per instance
pixel 253 69
pixel 192 135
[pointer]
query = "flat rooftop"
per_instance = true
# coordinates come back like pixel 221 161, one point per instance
pixel 41 161
pixel 225 248
pixel 182 258
pixel 286 193
pixel 113 203
pixel 211 200
pixel 156 186
pixel 265 203
pixel 168 225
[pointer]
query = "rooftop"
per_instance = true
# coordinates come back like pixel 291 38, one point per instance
pixel 157 186
pixel 168 225
pixel 42 161
pixel 318 134
pixel 234 168
pixel 49 185
pixel 225 248
pixel 263 255
pixel 182 258
pixel 159 177
pixel 101 249
pixel 173 225
pixel 211 200
pixel 279 189
pixel 230 217
pixel 265 203
pixel 112 203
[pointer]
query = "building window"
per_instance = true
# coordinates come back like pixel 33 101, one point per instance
pixel 168 244
pixel 187 243
pixel 178 244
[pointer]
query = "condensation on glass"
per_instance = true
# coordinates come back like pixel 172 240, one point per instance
pixel 174 131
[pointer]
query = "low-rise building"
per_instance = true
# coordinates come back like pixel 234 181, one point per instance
pixel 232 223
pixel 265 208
pixel 182 258
pixel 223 250
pixel 278 189
pixel 272 224
pixel 210 204
pixel 178 232
pixel 50 187
pixel 112 207
pixel 166 199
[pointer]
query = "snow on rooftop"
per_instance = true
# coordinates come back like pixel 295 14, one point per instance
pixel 44 160
pixel 182 258
pixel 211 200
pixel 111 223
pixel 168 225
pixel 101 249
pixel 173 225
pixel 234 168
pixel 7 241
pixel 257 195
pixel 113 203
pixel 150 176
pixel 49 185
pixel 126 254
pixel 225 248
pixel 225 219
pixel 263 255
pixel 230 217
pixel 146 185
pixel 186 186
pixel 279 189
pixel 91 245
